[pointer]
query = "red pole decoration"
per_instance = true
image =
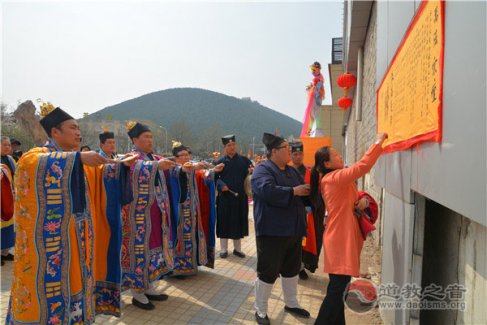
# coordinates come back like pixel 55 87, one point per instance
pixel 346 81
pixel 345 103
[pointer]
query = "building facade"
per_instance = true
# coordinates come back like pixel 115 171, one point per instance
pixel 433 224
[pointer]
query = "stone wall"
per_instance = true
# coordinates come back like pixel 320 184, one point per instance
pixel 361 133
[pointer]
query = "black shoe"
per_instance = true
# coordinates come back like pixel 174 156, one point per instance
pixel 224 254
pixel 160 297
pixel 147 306
pixel 262 320
pixel 303 275
pixel 297 311
pixel 238 254
pixel 8 257
pixel 179 277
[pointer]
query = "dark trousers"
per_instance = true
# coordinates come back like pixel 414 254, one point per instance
pixel 332 310
pixel 278 256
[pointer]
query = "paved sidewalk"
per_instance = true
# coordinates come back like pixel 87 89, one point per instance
pixel 224 295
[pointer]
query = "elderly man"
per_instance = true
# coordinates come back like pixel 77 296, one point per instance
pixel 280 224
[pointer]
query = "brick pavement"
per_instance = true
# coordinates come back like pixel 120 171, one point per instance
pixel 224 295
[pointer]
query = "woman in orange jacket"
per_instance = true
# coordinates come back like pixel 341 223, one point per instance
pixel 342 238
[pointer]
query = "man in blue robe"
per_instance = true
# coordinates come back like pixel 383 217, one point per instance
pixel 107 144
pixel 110 190
pixel 280 224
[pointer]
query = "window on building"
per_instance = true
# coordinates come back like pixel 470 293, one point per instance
pixel 337 50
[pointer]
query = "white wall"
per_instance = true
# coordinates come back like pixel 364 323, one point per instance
pixel 454 172
pixel 397 239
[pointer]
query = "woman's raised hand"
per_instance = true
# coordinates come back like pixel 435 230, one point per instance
pixel 381 137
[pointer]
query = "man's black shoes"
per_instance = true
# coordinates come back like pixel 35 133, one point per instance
pixel 8 257
pixel 297 311
pixel 160 297
pixel 224 254
pixel 262 320
pixel 147 306
pixel 303 275
pixel 238 254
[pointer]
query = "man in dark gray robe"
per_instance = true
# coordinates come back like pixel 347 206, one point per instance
pixel 232 201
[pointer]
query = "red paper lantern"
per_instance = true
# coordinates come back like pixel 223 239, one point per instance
pixel 345 102
pixel 346 80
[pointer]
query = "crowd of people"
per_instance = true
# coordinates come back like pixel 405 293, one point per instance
pixel 87 225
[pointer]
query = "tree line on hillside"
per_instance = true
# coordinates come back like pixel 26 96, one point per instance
pixel 200 117
pixel 203 143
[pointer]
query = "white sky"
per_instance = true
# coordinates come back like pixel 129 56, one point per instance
pixel 84 56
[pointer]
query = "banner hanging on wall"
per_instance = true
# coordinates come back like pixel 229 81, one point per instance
pixel 409 99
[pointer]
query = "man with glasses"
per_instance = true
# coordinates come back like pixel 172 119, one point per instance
pixel 193 212
pixel 280 224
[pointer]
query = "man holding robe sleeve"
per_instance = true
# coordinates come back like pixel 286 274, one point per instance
pixel 193 212
pixel 53 280
pixel 232 200
pixel 147 239
pixel 279 212
pixel 205 182
pixel 110 190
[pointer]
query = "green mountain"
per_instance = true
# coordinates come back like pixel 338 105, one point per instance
pixel 197 115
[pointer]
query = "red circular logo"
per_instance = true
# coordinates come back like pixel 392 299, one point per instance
pixel 360 296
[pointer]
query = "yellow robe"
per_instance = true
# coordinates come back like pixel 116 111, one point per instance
pixel 53 270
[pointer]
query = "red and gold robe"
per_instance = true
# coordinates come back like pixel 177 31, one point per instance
pixel 147 241
pixel 6 216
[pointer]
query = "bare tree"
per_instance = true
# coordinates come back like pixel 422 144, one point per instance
pixel 209 140
pixel 181 131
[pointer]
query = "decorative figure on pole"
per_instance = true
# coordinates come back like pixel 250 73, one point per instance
pixel 316 94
